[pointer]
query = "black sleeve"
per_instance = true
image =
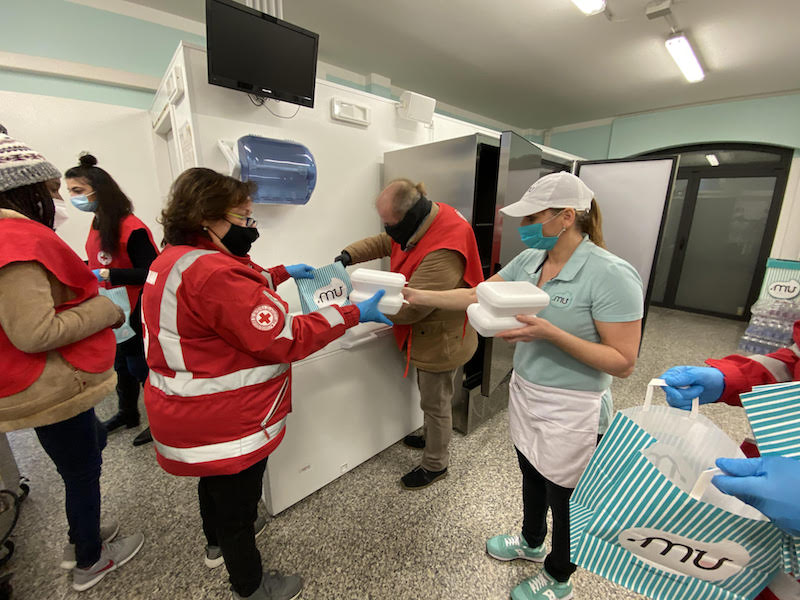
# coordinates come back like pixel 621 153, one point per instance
pixel 141 252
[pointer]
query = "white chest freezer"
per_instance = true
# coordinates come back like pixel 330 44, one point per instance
pixel 349 402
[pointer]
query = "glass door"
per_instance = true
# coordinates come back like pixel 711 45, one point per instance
pixel 719 227
pixel 724 244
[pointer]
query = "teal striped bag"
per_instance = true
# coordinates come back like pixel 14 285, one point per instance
pixel 330 285
pixel 644 515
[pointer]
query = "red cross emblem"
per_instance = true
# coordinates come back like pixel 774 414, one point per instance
pixel 264 317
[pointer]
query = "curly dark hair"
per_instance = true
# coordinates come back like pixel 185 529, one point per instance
pixel 33 200
pixel 112 203
pixel 199 195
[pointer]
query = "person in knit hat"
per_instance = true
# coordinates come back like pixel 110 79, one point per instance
pixel 57 352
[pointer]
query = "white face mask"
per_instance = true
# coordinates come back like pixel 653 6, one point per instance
pixel 61 215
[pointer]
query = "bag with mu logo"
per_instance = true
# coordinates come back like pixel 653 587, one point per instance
pixel 330 285
pixel 645 516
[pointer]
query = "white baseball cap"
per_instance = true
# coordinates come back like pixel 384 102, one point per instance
pixel 556 190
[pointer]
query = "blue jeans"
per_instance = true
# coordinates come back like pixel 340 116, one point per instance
pixel 75 446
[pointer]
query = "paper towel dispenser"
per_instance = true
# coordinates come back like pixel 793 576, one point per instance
pixel 284 172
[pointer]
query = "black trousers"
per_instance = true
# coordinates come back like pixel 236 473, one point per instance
pixel 131 368
pixel 229 506
pixel 539 494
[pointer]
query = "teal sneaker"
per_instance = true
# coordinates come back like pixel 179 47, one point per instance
pixel 509 547
pixel 542 587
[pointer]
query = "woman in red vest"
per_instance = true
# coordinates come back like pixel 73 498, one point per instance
pixel 56 349
pixel 120 249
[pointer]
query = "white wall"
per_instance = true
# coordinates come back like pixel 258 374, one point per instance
pixel 120 138
pixel 348 158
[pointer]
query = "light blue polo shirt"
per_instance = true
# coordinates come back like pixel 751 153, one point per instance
pixel 594 285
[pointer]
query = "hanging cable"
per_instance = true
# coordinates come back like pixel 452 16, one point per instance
pixel 256 100
pixel 282 116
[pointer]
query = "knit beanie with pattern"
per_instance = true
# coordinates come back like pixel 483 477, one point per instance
pixel 19 165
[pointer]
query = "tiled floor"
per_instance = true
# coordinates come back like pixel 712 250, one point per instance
pixel 362 536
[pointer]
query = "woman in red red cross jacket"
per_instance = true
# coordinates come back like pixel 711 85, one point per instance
pixel 220 342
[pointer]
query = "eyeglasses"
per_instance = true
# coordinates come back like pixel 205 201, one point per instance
pixel 248 221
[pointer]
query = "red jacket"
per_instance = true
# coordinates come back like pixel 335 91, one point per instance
pixel 449 231
pixel 25 240
pixel 219 343
pixel 742 373
pixel 98 259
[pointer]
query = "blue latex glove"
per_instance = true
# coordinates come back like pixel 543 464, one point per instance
pixel 369 309
pixel 769 483
pixel 686 383
pixel 96 273
pixel 301 271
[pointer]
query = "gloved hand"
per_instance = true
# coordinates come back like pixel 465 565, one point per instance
pixel 96 273
pixel 301 271
pixel 686 383
pixel 369 309
pixel 769 483
pixel 344 258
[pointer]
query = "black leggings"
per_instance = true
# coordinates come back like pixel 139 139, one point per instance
pixel 539 494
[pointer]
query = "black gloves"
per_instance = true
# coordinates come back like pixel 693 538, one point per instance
pixel 344 258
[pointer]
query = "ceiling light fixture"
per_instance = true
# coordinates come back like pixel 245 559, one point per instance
pixel 681 50
pixel 590 7
pixel 712 160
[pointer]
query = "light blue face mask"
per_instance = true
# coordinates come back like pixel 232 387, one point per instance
pixel 83 203
pixel 532 236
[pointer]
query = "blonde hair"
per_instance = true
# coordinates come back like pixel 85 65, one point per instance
pixel 590 222
pixel 405 194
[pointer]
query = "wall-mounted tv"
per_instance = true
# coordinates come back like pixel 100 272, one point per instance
pixel 259 54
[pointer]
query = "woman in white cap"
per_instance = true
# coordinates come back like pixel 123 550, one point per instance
pixel 57 353
pixel 559 399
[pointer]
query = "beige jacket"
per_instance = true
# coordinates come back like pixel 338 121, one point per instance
pixel 28 297
pixel 438 341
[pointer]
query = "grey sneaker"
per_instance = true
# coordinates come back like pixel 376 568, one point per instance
pixel 213 557
pixel 107 533
pixel 260 525
pixel 112 556
pixel 275 586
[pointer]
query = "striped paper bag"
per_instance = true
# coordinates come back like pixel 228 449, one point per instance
pixel 330 285
pixel 638 518
pixel 774 415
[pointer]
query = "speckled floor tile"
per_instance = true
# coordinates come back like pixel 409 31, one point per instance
pixel 362 536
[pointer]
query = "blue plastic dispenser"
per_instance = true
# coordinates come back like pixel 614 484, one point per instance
pixel 284 172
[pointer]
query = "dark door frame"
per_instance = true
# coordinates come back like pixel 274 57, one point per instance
pixel 778 169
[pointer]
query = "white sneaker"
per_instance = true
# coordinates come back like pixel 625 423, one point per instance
pixel 107 533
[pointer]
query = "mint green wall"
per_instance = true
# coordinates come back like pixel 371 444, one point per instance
pixel 590 142
pixel 773 120
pixel 69 88
pixel 67 31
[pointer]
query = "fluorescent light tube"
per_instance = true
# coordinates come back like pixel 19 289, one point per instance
pixel 590 7
pixel 683 55
pixel 712 160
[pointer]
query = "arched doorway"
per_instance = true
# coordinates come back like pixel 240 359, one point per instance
pixel 719 227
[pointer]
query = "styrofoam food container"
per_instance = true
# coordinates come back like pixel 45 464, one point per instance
pixel 487 324
pixel 510 298
pixel 369 281
pixel 388 305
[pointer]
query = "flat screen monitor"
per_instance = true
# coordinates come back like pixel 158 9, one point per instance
pixel 259 54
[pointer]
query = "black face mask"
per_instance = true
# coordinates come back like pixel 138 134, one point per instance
pixel 408 225
pixel 239 239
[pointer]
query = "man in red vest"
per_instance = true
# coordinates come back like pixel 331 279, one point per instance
pixel 434 247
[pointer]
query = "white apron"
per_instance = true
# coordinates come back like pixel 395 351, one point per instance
pixel 554 428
